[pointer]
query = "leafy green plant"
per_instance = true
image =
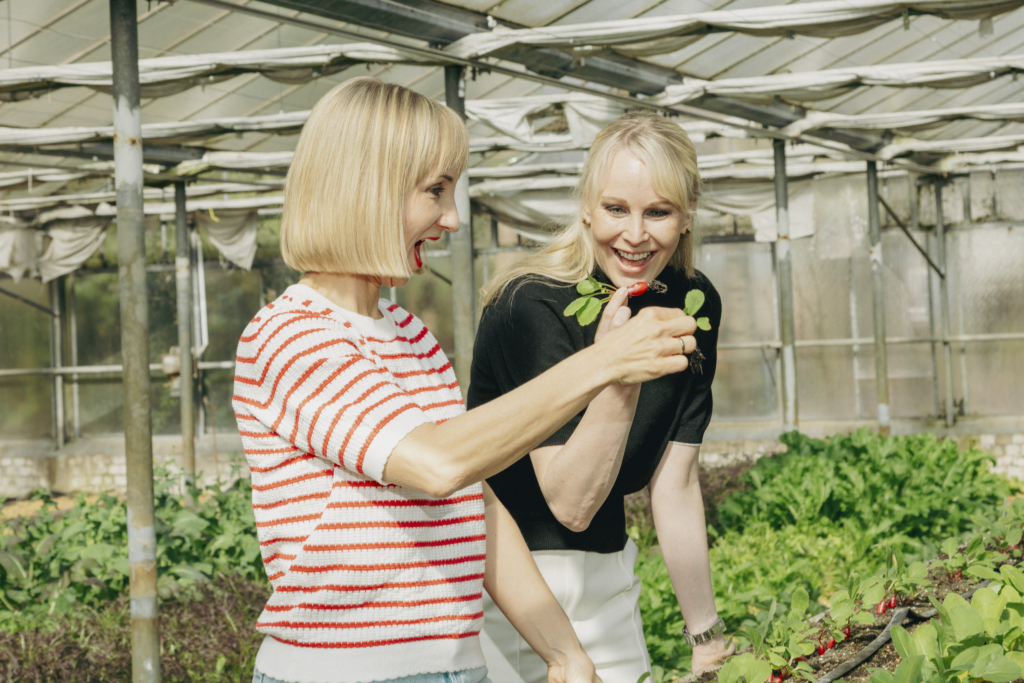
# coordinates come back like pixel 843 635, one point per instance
pixel 782 638
pixel 884 487
pixel 966 646
pixel 53 561
pixel 744 667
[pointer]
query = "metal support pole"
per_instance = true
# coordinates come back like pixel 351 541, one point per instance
pixel 131 266
pixel 57 306
pixel 915 224
pixel 785 266
pixel 461 244
pixel 947 351
pixel 878 302
pixel 183 280
pixel 76 413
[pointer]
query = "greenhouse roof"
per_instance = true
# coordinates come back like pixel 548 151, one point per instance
pixel 226 85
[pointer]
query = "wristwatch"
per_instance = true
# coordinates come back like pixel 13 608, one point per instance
pixel 703 637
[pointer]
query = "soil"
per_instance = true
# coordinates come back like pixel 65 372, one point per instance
pixel 207 636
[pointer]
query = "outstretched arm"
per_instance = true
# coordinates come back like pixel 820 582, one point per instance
pixel 679 519
pixel 515 584
pixel 440 459
pixel 577 476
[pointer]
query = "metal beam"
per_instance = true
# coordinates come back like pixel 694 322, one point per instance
pixel 461 245
pixel 784 259
pixel 183 280
pixel 134 306
pixel 878 302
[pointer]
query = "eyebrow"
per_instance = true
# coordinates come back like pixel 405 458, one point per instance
pixel 618 200
pixel 447 177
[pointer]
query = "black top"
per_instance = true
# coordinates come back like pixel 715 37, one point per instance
pixel 523 333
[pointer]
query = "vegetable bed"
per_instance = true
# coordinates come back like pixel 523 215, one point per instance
pixel 816 523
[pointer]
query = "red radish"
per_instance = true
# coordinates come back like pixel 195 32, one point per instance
pixel 846 632
pixel 821 650
pixel 801 659
pixel 637 288
pixel 831 643
pixel 892 602
pixel 881 607
pixel 959 573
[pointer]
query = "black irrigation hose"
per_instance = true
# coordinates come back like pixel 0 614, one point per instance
pixel 884 637
pixel 865 654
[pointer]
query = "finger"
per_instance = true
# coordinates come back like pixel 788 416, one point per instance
pixel 621 317
pixel 689 343
pixel 616 303
pixel 679 326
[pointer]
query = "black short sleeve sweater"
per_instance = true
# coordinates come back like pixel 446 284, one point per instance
pixel 523 333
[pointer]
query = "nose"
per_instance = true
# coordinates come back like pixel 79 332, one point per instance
pixel 449 219
pixel 635 233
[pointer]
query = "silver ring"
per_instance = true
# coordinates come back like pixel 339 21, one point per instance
pixel 682 343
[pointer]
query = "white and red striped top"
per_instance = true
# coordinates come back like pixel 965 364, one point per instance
pixel 371 581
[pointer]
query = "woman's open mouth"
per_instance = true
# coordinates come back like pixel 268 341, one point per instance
pixel 416 253
pixel 633 261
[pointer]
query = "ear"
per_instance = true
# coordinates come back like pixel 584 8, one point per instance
pixel 585 216
pixel 688 223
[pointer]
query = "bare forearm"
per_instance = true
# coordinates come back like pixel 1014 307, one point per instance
pixel 515 584
pixel 682 534
pixel 576 478
pixel 440 459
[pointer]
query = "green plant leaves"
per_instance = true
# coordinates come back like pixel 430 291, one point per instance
pixel 702 323
pixel 589 313
pixel 588 286
pixel 694 300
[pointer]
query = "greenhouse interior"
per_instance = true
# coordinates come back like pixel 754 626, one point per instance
pixel 861 215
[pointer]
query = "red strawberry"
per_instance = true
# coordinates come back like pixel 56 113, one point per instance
pixel 637 288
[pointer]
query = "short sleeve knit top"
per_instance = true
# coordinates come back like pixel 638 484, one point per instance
pixel 371 581
pixel 523 333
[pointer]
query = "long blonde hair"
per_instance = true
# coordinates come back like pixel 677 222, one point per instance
pixel 667 152
pixel 365 144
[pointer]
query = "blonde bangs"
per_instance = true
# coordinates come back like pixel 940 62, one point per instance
pixel 365 145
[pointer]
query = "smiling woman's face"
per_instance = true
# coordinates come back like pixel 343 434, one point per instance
pixel 635 229
pixel 428 212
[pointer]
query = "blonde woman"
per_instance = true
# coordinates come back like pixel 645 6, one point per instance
pixel 366 468
pixel 637 194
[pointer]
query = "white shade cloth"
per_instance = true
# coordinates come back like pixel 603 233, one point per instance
pixel 822 85
pixel 162 76
pixel 662 34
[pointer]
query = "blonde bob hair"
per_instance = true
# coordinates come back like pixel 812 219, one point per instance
pixel 365 145
pixel 669 155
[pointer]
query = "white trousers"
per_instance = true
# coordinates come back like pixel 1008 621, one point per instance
pixel 599 594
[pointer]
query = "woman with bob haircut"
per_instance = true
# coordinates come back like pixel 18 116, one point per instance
pixel 637 194
pixel 376 531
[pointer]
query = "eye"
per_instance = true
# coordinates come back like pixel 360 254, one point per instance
pixel 436 190
pixel 658 213
pixel 615 210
